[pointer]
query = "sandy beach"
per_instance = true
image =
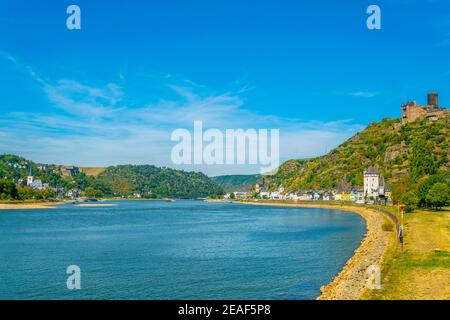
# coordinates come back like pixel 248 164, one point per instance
pixel 351 282
pixel 95 205
pixel 27 206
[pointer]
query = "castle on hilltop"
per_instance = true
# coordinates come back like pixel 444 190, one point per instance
pixel 411 111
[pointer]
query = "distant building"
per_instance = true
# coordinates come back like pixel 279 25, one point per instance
pixel 72 193
pixel 275 195
pixel 305 196
pixel 411 111
pixel 357 195
pixel 37 185
pixel 346 196
pixel 43 167
pixel 30 178
pixel 69 171
pixel 241 195
pixel 264 194
pixel 327 196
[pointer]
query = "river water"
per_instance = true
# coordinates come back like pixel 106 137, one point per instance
pixel 174 250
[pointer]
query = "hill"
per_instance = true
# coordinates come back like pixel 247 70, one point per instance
pixel 92 171
pixel 237 182
pixel 158 182
pixel 418 148
pixel 149 181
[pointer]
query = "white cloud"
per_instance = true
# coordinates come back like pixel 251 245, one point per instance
pixel 364 94
pixel 94 126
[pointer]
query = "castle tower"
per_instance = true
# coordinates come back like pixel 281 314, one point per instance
pixel 433 100
pixel 371 182
pixel 30 178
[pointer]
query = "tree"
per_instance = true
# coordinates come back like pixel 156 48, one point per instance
pixel 400 188
pixel 422 160
pixel 426 185
pixel 92 193
pixel 439 196
pixel 410 200
pixel 8 190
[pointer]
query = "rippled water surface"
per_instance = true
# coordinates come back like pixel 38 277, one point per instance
pixel 174 250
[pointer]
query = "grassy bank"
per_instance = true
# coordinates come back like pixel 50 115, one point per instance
pixel 422 269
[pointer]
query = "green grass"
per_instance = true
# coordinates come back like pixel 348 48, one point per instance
pixel 422 269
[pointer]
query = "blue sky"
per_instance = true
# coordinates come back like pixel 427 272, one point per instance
pixel 112 92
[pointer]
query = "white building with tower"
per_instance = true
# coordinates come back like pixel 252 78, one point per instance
pixel 30 179
pixel 371 183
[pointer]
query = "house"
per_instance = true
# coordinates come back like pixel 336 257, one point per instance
pixel 241 195
pixel 357 195
pixel 291 195
pixel 275 195
pixel 346 196
pixel 327 196
pixel 304 196
pixel 58 190
pixel 388 195
pixel 338 196
pixel 42 167
pixel 316 195
pixel 72 193
pixel 264 194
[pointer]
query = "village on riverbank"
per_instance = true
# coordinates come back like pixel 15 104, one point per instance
pixel 373 192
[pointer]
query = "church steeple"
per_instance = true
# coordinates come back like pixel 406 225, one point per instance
pixel 30 178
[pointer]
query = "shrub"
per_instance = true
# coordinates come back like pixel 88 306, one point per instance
pixel 387 226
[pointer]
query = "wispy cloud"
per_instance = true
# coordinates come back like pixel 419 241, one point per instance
pixel 364 94
pixel 95 125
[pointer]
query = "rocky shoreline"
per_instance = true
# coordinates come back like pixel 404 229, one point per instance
pixel 351 282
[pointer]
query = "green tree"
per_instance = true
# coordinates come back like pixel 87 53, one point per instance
pixel 410 200
pixel 439 196
pixel 426 185
pixel 8 190
pixel 25 193
pixel 422 160
pixel 401 187
pixel 92 193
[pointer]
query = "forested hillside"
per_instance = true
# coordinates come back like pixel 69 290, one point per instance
pixel 414 150
pixel 147 181
pixel 233 183
pixel 158 182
